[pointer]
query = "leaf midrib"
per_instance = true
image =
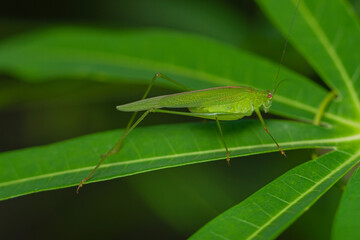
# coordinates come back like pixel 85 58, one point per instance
pixel 290 145
pixel 329 48
pixel 299 105
pixel 309 190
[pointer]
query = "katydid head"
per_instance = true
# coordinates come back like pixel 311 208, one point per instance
pixel 267 101
pixel 269 96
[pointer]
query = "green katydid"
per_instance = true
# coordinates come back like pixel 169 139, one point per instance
pixel 219 104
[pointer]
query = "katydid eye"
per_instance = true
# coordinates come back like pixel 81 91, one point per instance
pixel 269 95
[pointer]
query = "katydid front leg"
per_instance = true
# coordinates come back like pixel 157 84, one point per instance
pixel 264 126
pixel 204 116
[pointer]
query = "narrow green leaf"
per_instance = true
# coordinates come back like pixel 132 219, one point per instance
pixel 136 56
pixel 66 163
pixel 270 210
pixel 327 34
pixel 345 225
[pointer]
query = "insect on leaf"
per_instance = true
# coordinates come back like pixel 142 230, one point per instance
pixel 328 39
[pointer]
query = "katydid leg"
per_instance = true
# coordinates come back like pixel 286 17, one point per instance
pixel 264 126
pixel 200 115
pixel 160 75
pixel 114 149
pixel 223 139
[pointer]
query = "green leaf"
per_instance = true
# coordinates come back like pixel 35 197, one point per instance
pixel 200 63
pixel 136 56
pixel 328 40
pixel 345 225
pixel 270 210
pixel 66 163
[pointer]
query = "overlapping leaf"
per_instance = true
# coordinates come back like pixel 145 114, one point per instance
pixel 326 33
pixel 136 56
pixel 269 211
pixel 344 225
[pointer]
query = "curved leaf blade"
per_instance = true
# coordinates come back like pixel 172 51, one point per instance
pixel 66 163
pixel 327 35
pixel 344 225
pixel 286 199
pixel 136 56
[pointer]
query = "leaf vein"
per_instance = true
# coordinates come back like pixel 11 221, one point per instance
pixel 278 198
pixel 318 31
pixel 246 222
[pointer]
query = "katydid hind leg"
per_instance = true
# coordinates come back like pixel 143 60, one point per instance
pixel 267 131
pixel 133 116
pixel 153 80
pixel 114 149
pixel 223 140
pixel 130 126
pixel 160 75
